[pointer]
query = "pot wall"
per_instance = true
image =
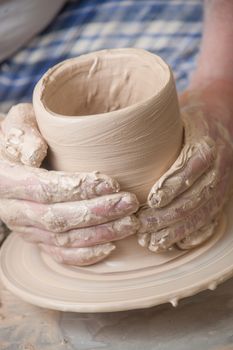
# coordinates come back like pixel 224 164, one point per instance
pixel 114 111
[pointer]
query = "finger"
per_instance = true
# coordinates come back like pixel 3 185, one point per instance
pixel 84 237
pixel 165 238
pixel 23 142
pixel 198 237
pixel 78 256
pixel 193 161
pixel 202 190
pixel 144 239
pixel 40 185
pixel 153 219
pixel 62 217
pixel 195 158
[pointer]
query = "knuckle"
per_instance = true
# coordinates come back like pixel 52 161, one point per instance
pixel 44 193
pixel 54 222
pixel 10 220
pixel 48 186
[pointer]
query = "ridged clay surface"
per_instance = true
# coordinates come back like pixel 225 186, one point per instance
pixel 130 278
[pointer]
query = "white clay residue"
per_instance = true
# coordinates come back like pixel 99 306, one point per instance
pixel 22 142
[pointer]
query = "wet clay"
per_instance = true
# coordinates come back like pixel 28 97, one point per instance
pixel 113 111
pixel 22 142
pixel 130 278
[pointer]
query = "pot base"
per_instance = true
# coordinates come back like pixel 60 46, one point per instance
pixel 129 279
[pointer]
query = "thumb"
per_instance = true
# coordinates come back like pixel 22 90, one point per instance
pixel 22 141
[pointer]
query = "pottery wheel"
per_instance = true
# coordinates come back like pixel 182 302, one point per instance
pixel 131 278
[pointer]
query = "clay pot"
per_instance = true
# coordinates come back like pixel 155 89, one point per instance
pixel 113 111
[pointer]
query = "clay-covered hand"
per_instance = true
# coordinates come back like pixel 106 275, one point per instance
pixel 185 203
pixel 72 216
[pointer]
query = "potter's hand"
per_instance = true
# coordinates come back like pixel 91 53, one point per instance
pixel 71 216
pixel 186 201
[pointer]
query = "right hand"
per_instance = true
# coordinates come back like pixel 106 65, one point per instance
pixel 184 205
pixel 73 217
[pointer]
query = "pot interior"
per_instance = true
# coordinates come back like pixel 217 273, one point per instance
pixel 95 84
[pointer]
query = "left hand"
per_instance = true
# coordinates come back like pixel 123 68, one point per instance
pixel 74 217
pixel 185 203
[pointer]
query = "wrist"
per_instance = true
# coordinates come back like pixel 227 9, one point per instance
pixel 216 100
pixel 215 60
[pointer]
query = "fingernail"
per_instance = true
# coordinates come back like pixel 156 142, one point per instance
pixel 128 202
pixel 103 249
pixel 153 201
pixel 144 239
pixel 159 199
pixel 158 241
pixel 33 152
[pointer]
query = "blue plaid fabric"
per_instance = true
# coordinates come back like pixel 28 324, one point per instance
pixel 169 28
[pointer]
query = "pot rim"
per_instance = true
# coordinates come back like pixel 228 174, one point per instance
pixel 39 90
